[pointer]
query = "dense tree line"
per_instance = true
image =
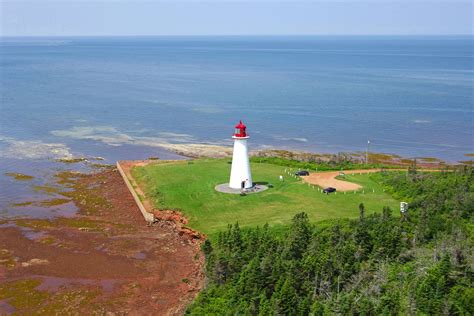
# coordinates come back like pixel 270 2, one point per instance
pixel 418 263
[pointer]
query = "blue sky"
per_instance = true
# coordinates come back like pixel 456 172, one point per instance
pixel 225 17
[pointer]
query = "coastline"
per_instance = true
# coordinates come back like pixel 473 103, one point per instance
pixel 81 236
pixel 106 250
pixel 157 265
pixel 193 150
pixel 151 214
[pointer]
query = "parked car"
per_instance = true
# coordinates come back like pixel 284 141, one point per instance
pixel 329 190
pixel 302 173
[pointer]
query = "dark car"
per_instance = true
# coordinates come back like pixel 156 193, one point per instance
pixel 302 173
pixel 329 190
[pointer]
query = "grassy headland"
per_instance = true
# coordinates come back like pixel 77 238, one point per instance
pixel 189 187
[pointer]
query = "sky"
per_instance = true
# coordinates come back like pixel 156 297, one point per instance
pixel 227 17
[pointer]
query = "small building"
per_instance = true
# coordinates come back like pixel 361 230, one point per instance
pixel 403 207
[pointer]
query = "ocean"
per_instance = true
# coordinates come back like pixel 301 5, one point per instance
pixel 129 97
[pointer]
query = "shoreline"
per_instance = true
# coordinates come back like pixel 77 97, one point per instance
pixel 105 249
pixel 150 213
pixel 108 218
pixel 196 150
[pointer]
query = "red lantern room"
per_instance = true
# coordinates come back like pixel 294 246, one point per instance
pixel 240 130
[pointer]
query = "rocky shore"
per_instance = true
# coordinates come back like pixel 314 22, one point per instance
pixel 106 259
pixel 216 151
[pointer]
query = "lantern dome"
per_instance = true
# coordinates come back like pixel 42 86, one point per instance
pixel 240 130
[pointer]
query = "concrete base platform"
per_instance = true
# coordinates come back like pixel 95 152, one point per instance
pixel 224 188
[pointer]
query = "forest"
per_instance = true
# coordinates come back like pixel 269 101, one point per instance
pixel 419 262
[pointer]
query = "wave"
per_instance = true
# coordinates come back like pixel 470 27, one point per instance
pixel 33 149
pixel 114 137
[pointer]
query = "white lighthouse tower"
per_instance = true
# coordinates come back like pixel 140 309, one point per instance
pixel 240 176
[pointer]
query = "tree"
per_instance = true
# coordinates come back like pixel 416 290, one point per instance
pixel 236 238
pixel 299 236
pixel 286 298
pixel 361 211
pixel 386 213
pixel 461 300
pixel 412 169
pixel 207 247
pixel 433 288
pixel 264 307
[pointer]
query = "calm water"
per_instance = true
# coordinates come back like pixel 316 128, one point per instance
pixel 120 98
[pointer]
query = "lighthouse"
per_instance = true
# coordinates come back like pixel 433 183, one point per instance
pixel 240 176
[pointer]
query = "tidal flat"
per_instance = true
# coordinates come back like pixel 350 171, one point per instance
pixel 103 259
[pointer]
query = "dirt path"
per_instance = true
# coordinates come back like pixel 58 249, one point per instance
pixel 105 260
pixel 328 179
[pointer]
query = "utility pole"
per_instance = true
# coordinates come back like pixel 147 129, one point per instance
pixel 367 153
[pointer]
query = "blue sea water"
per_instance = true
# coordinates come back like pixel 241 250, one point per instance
pixel 123 97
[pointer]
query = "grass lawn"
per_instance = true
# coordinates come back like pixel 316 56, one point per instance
pixel 189 186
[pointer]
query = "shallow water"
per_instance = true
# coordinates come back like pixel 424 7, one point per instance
pixel 121 98
pixel 53 284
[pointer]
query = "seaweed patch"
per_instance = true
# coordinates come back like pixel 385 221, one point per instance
pixel 71 160
pixel 19 176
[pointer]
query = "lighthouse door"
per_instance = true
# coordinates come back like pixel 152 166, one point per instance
pixel 242 185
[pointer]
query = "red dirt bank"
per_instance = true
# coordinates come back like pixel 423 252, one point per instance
pixel 109 260
pixel 173 218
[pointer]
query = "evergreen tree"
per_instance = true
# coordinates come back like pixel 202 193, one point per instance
pixel 299 236
pixel 361 212
pixel 264 306
pixel 286 299
pixel 207 247
pixel 433 288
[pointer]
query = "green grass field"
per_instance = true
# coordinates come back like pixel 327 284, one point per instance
pixel 189 187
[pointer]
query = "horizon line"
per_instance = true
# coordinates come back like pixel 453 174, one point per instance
pixel 233 35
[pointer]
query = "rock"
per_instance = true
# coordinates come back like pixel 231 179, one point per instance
pixel 34 261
